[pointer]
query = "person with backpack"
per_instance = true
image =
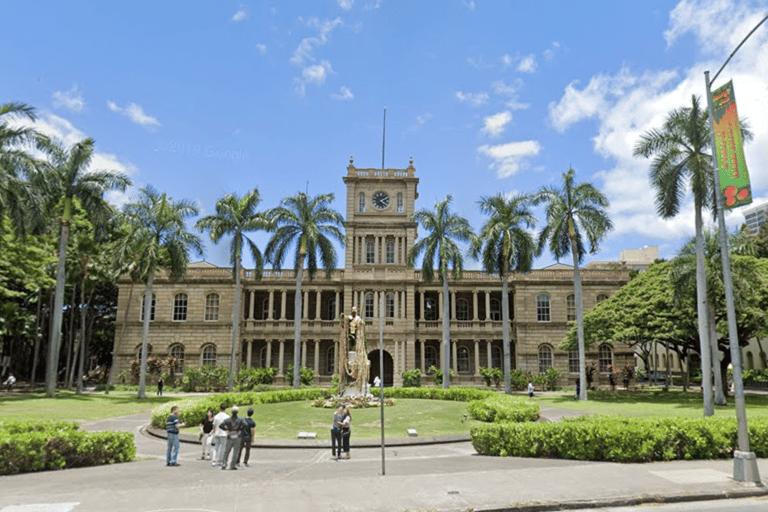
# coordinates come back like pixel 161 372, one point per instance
pixel 246 438
pixel 172 426
pixel 233 426
pixel 219 436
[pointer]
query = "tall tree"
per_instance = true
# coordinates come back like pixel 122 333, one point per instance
pixel 439 247
pixel 574 212
pixel 680 156
pixel 66 177
pixel 158 228
pixel 503 246
pixel 307 225
pixel 236 216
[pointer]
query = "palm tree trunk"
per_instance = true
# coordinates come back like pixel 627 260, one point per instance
pixel 84 306
pixel 119 342
pixel 505 330
pixel 701 309
pixel 72 344
pixel 38 332
pixel 58 309
pixel 716 369
pixel 446 345
pixel 145 334
pixel 579 323
pixel 235 325
pixel 297 316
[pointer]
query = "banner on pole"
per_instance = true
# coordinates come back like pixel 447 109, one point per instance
pixel 729 149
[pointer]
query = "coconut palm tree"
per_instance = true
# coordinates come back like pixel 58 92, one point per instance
pixel 307 225
pixel 504 246
pixel 680 156
pixel 234 217
pixel 157 223
pixel 66 178
pixel 574 212
pixel 445 228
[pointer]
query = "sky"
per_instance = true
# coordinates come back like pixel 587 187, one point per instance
pixel 201 99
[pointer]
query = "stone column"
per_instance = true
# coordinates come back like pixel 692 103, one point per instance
pixel 281 358
pixel 269 353
pixel 304 353
pixel 270 315
pixel 454 364
pixel 453 305
pixel 474 305
pixel 317 357
pixel 421 304
pixel 376 305
pixel 336 307
pixel 487 305
pixel 396 361
pixel 318 297
pixel 440 299
pixel 397 305
pixel 423 367
pixel 477 358
pixel 282 304
pixel 488 355
pixel 248 353
pixel 305 306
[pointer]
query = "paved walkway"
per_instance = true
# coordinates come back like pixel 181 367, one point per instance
pixel 439 477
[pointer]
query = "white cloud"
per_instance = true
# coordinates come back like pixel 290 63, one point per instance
pixel 305 51
pixel 261 48
pixel 475 99
pixel 469 4
pixel 240 15
pixel 501 88
pixel 507 60
pixel 496 124
pixel 479 63
pixel 550 52
pixel 135 113
pixel 527 64
pixel 373 6
pixel 71 100
pixel 344 94
pixel 346 4
pixel 508 159
pixel 423 119
pixel 315 74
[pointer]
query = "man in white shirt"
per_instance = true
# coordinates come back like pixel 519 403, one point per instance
pixel 219 436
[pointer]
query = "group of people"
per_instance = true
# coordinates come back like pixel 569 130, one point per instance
pixel 226 437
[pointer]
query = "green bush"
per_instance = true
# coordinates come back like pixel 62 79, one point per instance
pixel 492 375
pixel 456 394
pixel 249 379
pixel 40 446
pixel 204 378
pixel 437 374
pixel 497 408
pixel 411 378
pixel 620 439
pixel 306 375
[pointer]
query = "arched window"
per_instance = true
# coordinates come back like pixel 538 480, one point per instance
pixel 212 307
pixel 209 355
pixel 430 309
pixel 495 357
pixel 138 351
pixel 462 309
pixel 542 307
pixel 601 298
pixel 390 251
pixel 330 360
pixel 462 360
pixel 430 357
pixel 545 358
pixel 361 202
pixel 151 308
pixel 263 357
pixel 573 361
pixel 389 307
pixel 605 357
pixel 368 305
pixel 177 352
pixel 570 305
pixel 180 307
pixel 496 310
pixel 370 251
pixel 399 203
pixel 331 309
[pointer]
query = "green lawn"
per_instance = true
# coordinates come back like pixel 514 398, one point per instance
pixel 650 403
pixel 428 417
pixel 69 406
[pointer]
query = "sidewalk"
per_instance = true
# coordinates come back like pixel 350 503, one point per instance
pixel 441 477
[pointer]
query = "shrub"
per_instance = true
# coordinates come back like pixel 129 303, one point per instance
pixel 457 394
pixel 204 378
pixel 306 375
pixel 40 446
pixel 496 408
pixel 249 379
pixel 411 378
pixel 491 375
pixel 619 439
pixel 437 374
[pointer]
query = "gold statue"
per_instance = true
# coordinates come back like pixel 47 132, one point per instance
pixel 353 357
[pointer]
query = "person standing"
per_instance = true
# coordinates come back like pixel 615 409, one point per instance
pixel 9 382
pixel 346 430
pixel 160 386
pixel 219 436
pixel 206 428
pixel 234 426
pixel 172 426
pixel 338 417
pixel 246 438
pixel 530 389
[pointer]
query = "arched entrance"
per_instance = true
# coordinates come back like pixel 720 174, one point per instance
pixel 373 357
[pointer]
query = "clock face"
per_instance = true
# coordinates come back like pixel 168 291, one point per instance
pixel 380 200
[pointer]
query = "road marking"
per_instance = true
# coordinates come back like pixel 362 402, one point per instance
pixel 41 507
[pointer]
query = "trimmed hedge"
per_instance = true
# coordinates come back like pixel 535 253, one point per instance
pixel 456 394
pixel 620 439
pixel 40 446
pixel 500 408
pixel 192 410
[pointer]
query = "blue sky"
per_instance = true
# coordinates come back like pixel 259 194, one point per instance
pixel 200 99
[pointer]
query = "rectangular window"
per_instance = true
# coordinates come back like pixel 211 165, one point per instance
pixel 390 251
pixel 212 307
pixel 542 308
pixel 573 361
pixel 180 307
pixel 370 252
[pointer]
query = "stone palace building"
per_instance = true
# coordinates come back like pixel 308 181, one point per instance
pixel 192 318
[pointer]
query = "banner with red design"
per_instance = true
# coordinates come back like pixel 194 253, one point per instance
pixel 729 148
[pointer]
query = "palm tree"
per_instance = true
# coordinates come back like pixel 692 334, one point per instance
pixel 307 225
pixel 503 246
pixel 444 228
pixel 66 178
pixel 158 228
pixel 234 217
pixel 679 150
pixel 574 212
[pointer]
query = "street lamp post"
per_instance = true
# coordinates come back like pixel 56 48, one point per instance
pixel 744 461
